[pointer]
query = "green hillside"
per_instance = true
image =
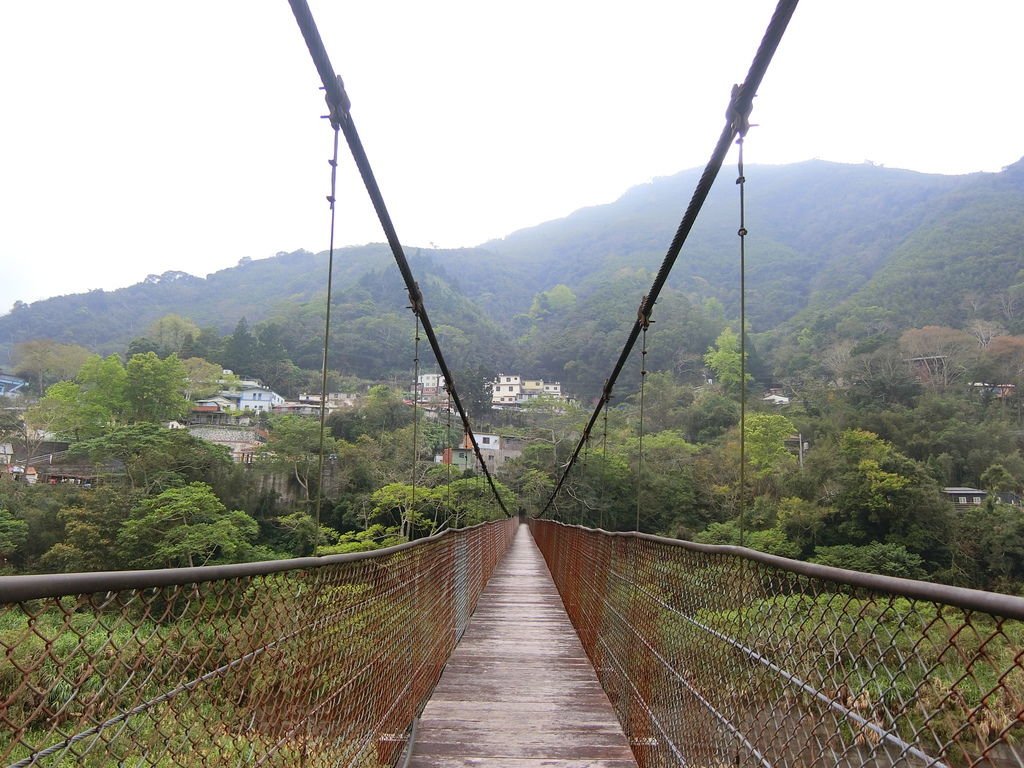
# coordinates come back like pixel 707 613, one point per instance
pixel 835 251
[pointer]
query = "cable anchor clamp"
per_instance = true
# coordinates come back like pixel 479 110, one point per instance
pixel 643 314
pixel 416 299
pixel 740 106
pixel 606 392
pixel 339 109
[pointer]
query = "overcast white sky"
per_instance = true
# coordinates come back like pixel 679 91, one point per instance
pixel 140 137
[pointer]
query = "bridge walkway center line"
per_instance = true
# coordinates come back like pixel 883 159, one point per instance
pixel 519 691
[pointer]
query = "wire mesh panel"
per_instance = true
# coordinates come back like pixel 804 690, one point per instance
pixel 719 656
pixel 311 662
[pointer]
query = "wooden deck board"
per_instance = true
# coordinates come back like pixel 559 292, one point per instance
pixel 519 692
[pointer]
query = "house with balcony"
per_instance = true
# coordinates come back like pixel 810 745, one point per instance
pixel 495 449
pixel 255 398
pixel 514 391
pixel 965 498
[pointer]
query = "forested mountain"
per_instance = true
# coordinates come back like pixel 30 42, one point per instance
pixel 886 306
pixel 106 320
pixel 835 252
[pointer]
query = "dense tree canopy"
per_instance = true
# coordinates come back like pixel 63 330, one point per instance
pixel 897 335
pixel 185 526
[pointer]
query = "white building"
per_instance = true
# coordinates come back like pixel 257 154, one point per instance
pixel 508 391
pixel 431 381
pixel 250 398
pixel 495 449
pixel 430 388
pixel 334 399
pixel 259 399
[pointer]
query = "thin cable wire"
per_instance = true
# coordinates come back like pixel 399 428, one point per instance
pixel 415 419
pixel 737 116
pixel 739 108
pixel 339 105
pixel 327 336
pixel 640 450
pixel 583 485
pixel 742 232
pixel 448 444
pixel 604 467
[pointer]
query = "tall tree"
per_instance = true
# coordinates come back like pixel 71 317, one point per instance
pixel 202 378
pixel 45 361
pixel 766 435
pixel 103 382
pixel 155 458
pixel 240 350
pixel 171 333
pixel 294 445
pixel 186 526
pixel 13 534
pixel 90 532
pixel 725 361
pixel 938 355
pixel 154 388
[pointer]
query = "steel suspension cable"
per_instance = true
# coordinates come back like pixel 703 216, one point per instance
pixel 327 336
pixel 640 448
pixel 737 123
pixel 604 467
pixel 583 485
pixel 448 445
pixel 415 421
pixel 742 232
pixel 340 116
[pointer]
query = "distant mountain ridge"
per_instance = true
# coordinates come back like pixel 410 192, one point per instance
pixel 826 242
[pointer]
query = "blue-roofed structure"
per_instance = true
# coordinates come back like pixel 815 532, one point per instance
pixel 11 384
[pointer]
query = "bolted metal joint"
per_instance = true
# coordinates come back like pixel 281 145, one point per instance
pixel 338 103
pixel 416 299
pixel 643 313
pixel 740 105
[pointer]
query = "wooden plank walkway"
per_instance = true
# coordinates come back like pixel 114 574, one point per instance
pixel 519 692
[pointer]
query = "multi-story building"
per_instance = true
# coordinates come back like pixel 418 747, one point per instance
pixel 430 388
pixel 495 449
pixel 506 390
pixel 509 391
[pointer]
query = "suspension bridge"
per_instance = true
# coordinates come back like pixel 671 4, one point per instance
pixel 512 643
pixel 682 655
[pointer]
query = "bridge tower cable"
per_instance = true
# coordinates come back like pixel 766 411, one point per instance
pixel 737 118
pixel 646 322
pixel 448 447
pixel 604 469
pixel 415 422
pixel 584 507
pixel 340 115
pixel 742 232
pixel 332 199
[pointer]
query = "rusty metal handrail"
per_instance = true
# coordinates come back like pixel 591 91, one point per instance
pixel 719 655
pixel 312 661
pixel 35 586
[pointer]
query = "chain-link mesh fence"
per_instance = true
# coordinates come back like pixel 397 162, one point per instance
pixel 311 662
pixel 719 656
